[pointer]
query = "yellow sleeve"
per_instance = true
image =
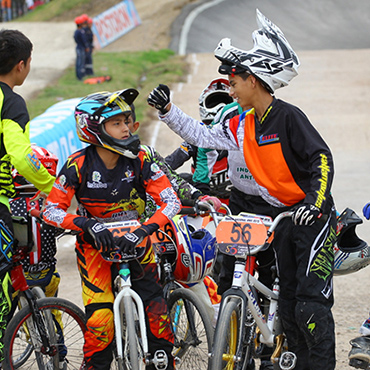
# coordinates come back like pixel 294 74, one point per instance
pixel 18 147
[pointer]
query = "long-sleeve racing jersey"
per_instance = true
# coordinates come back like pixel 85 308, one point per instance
pixel 183 189
pixel 108 195
pixel 15 146
pixel 238 172
pixel 284 152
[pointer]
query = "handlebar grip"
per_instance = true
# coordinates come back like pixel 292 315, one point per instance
pixel 188 202
pixel 35 213
pixel 187 211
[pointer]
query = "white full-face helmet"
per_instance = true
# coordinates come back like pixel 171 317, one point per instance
pixel 272 60
pixel 213 98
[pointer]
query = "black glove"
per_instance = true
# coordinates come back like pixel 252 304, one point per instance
pixel 129 241
pixel 103 238
pixel 159 98
pixel 306 214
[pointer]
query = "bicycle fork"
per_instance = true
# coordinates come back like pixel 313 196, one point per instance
pixel 36 324
pixel 126 291
pixel 268 329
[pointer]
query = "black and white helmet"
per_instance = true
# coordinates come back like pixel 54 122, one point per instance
pixel 272 60
pixel 213 98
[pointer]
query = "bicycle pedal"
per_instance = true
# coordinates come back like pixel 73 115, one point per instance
pixel 160 360
pixel 287 361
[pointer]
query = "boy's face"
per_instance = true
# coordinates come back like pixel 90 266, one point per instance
pixel 241 90
pixel 133 126
pixel 24 70
pixel 120 126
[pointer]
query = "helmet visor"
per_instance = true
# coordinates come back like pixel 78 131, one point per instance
pixel 114 102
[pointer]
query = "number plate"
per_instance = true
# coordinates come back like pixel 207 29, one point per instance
pixel 163 240
pixel 238 236
pixel 120 228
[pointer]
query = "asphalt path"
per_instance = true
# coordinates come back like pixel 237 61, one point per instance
pixel 307 24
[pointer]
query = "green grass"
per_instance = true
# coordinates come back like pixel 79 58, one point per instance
pixel 53 9
pixel 140 70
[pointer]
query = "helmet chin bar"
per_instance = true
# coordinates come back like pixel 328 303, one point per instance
pixel 128 147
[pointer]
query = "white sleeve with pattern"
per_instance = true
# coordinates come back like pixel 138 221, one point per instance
pixel 197 133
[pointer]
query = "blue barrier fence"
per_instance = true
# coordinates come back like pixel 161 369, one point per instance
pixel 55 130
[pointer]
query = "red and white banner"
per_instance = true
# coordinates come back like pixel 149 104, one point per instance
pixel 114 22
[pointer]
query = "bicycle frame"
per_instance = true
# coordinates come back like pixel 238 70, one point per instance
pixel 123 283
pixel 244 283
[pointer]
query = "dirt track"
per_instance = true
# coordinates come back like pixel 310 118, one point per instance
pixel 332 89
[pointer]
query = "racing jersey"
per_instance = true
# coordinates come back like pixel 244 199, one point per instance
pixel 238 172
pixel 183 189
pixel 284 152
pixel 108 195
pixel 182 154
pixel 15 146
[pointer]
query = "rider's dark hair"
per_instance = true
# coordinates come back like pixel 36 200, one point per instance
pixel 14 47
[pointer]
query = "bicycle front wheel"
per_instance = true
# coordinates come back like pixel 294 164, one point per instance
pixel 66 337
pixel 227 338
pixel 192 328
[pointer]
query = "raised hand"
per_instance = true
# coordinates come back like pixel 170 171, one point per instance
pixel 159 98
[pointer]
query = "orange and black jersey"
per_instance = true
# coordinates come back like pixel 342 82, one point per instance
pixel 284 152
pixel 109 194
pixel 287 155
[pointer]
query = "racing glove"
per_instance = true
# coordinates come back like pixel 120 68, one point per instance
pixel 159 98
pixel 213 201
pixel 128 242
pixel 366 211
pixel 306 214
pixel 103 238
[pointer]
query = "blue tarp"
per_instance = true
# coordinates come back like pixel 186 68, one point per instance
pixel 55 130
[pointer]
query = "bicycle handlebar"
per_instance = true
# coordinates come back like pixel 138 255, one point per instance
pixel 276 221
pixel 35 213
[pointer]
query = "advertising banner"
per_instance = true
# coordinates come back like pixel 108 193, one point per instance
pixel 114 22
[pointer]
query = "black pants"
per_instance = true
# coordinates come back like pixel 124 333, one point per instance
pixel 305 267
pixel 6 290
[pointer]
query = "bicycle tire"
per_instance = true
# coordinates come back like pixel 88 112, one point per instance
pixel 135 358
pixel 69 344
pixel 226 339
pixel 192 351
pixel 22 302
